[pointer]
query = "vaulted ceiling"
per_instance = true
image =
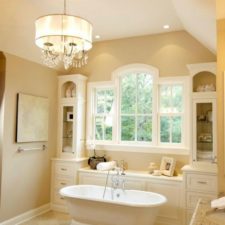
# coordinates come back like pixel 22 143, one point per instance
pixel 110 19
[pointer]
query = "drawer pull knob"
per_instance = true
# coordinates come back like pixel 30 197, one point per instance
pixel 63 183
pixel 63 169
pixel 62 198
pixel 202 182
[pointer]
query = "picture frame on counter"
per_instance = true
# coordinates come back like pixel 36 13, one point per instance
pixel 167 166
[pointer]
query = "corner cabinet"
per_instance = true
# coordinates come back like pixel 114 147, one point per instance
pixel 71 136
pixel 200 177
pixel 71 116
pixel 204 127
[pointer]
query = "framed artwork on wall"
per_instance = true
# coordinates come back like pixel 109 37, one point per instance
pixel 32 118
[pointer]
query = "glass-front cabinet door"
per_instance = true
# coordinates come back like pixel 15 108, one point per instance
pixel 67 129
pixel 71 116
pixel 204 130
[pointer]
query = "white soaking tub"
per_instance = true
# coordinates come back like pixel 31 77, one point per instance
pixel 130 207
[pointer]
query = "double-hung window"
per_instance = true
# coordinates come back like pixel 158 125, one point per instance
pixel 171 111
pixel 136 91
pixel 103 113
pixel 139 109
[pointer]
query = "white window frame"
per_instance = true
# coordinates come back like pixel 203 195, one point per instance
pixel 116 77
pixel 154 146
pixel 185 115
pixel 90 127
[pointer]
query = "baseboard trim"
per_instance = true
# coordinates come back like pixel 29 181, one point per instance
pixel 27 215
pixel 59 208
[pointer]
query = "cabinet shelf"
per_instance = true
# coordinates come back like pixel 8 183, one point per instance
pixel 205 122
pixel 204 129
pixel 67 137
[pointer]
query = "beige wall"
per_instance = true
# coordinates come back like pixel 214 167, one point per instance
pixel 26 176
pixel 169 52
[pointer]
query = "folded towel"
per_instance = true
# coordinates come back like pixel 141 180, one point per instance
pixel 218 203
pixel 106 165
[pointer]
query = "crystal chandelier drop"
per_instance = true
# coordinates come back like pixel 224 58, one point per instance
pixel 63 38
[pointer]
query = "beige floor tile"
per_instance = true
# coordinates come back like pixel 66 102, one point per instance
pixel 50 218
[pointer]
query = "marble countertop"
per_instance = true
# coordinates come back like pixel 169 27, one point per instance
pixel 204 214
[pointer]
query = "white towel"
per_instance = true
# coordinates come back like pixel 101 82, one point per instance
pixel 106 165
pixel 218 203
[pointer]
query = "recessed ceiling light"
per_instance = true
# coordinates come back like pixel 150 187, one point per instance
pixel 166 26
pixel 97 36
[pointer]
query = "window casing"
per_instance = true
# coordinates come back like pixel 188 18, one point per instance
pixel 142 116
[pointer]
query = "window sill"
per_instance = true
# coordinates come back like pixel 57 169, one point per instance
pixel 173 150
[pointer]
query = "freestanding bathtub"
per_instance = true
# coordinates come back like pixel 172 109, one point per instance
pixel 130 207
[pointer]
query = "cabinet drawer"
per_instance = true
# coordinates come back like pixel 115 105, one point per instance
pixel 64 169
pixel 192 198
pixel 202 183
pixel 60 183
pixel 58 199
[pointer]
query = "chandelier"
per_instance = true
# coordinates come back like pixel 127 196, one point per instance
pixel 63 38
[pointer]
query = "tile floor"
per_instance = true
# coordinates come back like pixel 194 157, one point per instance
pixel 50 218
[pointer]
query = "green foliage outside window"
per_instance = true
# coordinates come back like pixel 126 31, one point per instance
pixel 103 115
pixel 171 107
pixel 136 107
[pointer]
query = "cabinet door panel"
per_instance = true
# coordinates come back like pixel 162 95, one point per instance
pixel 92 179
pixel 133 184
pixel 173 209
pixel 192 198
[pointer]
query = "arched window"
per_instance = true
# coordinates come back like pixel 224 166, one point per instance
pixel 136 102
pixel 138 108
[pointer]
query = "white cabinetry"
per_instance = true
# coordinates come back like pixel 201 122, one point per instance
pixel 204 127
pixel 71 115
pixel 199 184
pixel 171 212
pixel 200 177
pixel 71 133
pixel 171 187
pixel 64 173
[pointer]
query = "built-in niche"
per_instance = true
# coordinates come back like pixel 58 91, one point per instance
pixel 68 90
pixel 204 82
pixel 203 77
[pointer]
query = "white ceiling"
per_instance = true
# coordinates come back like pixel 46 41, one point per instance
pixel 111 19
